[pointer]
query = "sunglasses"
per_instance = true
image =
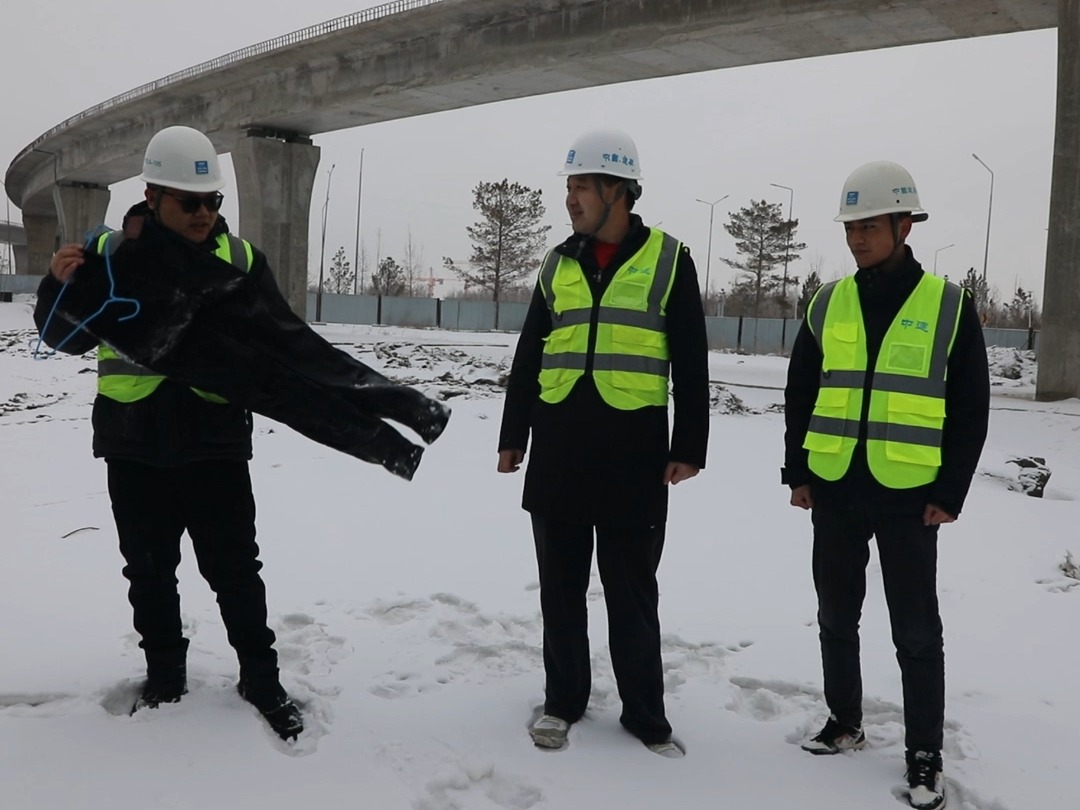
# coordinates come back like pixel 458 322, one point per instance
pixel 189 204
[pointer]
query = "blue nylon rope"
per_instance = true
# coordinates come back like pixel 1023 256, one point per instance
pixel 111 299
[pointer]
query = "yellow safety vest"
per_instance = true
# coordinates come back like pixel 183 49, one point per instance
pixel 907 385
pixel 125 381
pixel 628 344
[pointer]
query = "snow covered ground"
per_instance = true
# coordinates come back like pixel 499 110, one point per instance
pixel 408 623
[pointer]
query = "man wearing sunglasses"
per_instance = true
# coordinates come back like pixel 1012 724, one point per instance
pixel 178 457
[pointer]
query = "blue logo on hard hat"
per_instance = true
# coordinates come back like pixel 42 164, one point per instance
pixel 202 167
pixel 571 155
pixel 852 198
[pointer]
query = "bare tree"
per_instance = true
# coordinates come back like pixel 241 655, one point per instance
pixel 413 264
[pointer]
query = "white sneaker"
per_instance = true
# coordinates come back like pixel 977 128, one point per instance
pixel 669 748
pixel 549 732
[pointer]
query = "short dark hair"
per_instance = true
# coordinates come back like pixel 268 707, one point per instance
pixel 633 188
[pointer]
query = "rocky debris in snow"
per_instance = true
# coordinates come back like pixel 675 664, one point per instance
pixel 28 402
pixel 1011 367
pixel 1033 474
pixel 721 400
pixel 1070 568
pixel 445 372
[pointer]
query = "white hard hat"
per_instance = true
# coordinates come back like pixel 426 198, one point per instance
pixel 182 158
pixel 603 151
pixel 879 188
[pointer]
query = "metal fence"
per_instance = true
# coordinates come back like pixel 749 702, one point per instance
pixel 748 335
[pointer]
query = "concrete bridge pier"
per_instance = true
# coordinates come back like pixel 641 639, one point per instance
pixel 42 240
pixel 1059 343
pixel 275 175
pixel 80 208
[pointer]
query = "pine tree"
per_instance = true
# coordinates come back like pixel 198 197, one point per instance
pixel 1020 312
pixel 508 240
pixel 766 240
pixel 980 291
pixel 806 292
pixel 341 276
pixel 389 279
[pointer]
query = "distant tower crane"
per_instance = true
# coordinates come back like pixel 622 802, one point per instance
pixel 431 279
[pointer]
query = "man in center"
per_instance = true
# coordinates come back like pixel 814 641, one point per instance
pixel 615 322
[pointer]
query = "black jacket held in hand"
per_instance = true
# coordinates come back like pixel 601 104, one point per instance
pixel 203 324
pixel 967 403
pixel 590 463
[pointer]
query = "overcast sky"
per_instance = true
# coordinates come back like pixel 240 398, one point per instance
pixel 804 124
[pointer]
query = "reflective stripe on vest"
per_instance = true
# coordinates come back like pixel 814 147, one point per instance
pixel 907 387
pixel 121 379
pixel 628 354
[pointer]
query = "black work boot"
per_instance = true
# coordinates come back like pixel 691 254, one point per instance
pixel 163 685
pixel 275 705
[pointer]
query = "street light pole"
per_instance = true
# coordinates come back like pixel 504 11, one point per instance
pixel 787 252
pixel 322 248
pixel 708 255
pixel 936 252
pixel 989 212
pixel 356 250
pixel 7 200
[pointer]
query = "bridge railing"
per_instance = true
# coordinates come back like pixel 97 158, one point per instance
pixel 311 32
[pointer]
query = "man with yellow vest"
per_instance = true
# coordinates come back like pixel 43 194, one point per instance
pixel 886 408
pixel 178 457
pixel 616 316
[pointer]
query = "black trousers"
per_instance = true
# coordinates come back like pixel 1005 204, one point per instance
pixel 627 560
pixel 908 553
pixel 213 501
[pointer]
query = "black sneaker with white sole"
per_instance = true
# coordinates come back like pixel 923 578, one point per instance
pixel 926 780
pixel 835 738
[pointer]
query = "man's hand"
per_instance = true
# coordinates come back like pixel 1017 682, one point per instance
pixel 510 460
pixel 801 497
pixel 678 471
pixel 935 516
pixel 65 262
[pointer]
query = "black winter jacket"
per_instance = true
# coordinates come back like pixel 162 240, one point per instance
pixel 592 464
pixel 174 425
pixel 967 404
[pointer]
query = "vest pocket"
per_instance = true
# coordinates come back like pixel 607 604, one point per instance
pixel 630 291
pixel 832 405
pixel 908 357
pixel 841 345
pixel 915 410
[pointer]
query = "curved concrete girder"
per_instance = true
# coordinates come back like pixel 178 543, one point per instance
pixel 455 54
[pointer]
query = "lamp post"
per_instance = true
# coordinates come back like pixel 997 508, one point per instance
pixel 936 252
pixel 7 218
pixel 708 255
pixel 322 248
pixel 787 252
pixel 989 212
pixel 356 250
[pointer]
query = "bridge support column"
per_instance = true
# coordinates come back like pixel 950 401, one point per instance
pixel 275 174
pixel 1059 343
pixel 42 236
pixel 80 208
